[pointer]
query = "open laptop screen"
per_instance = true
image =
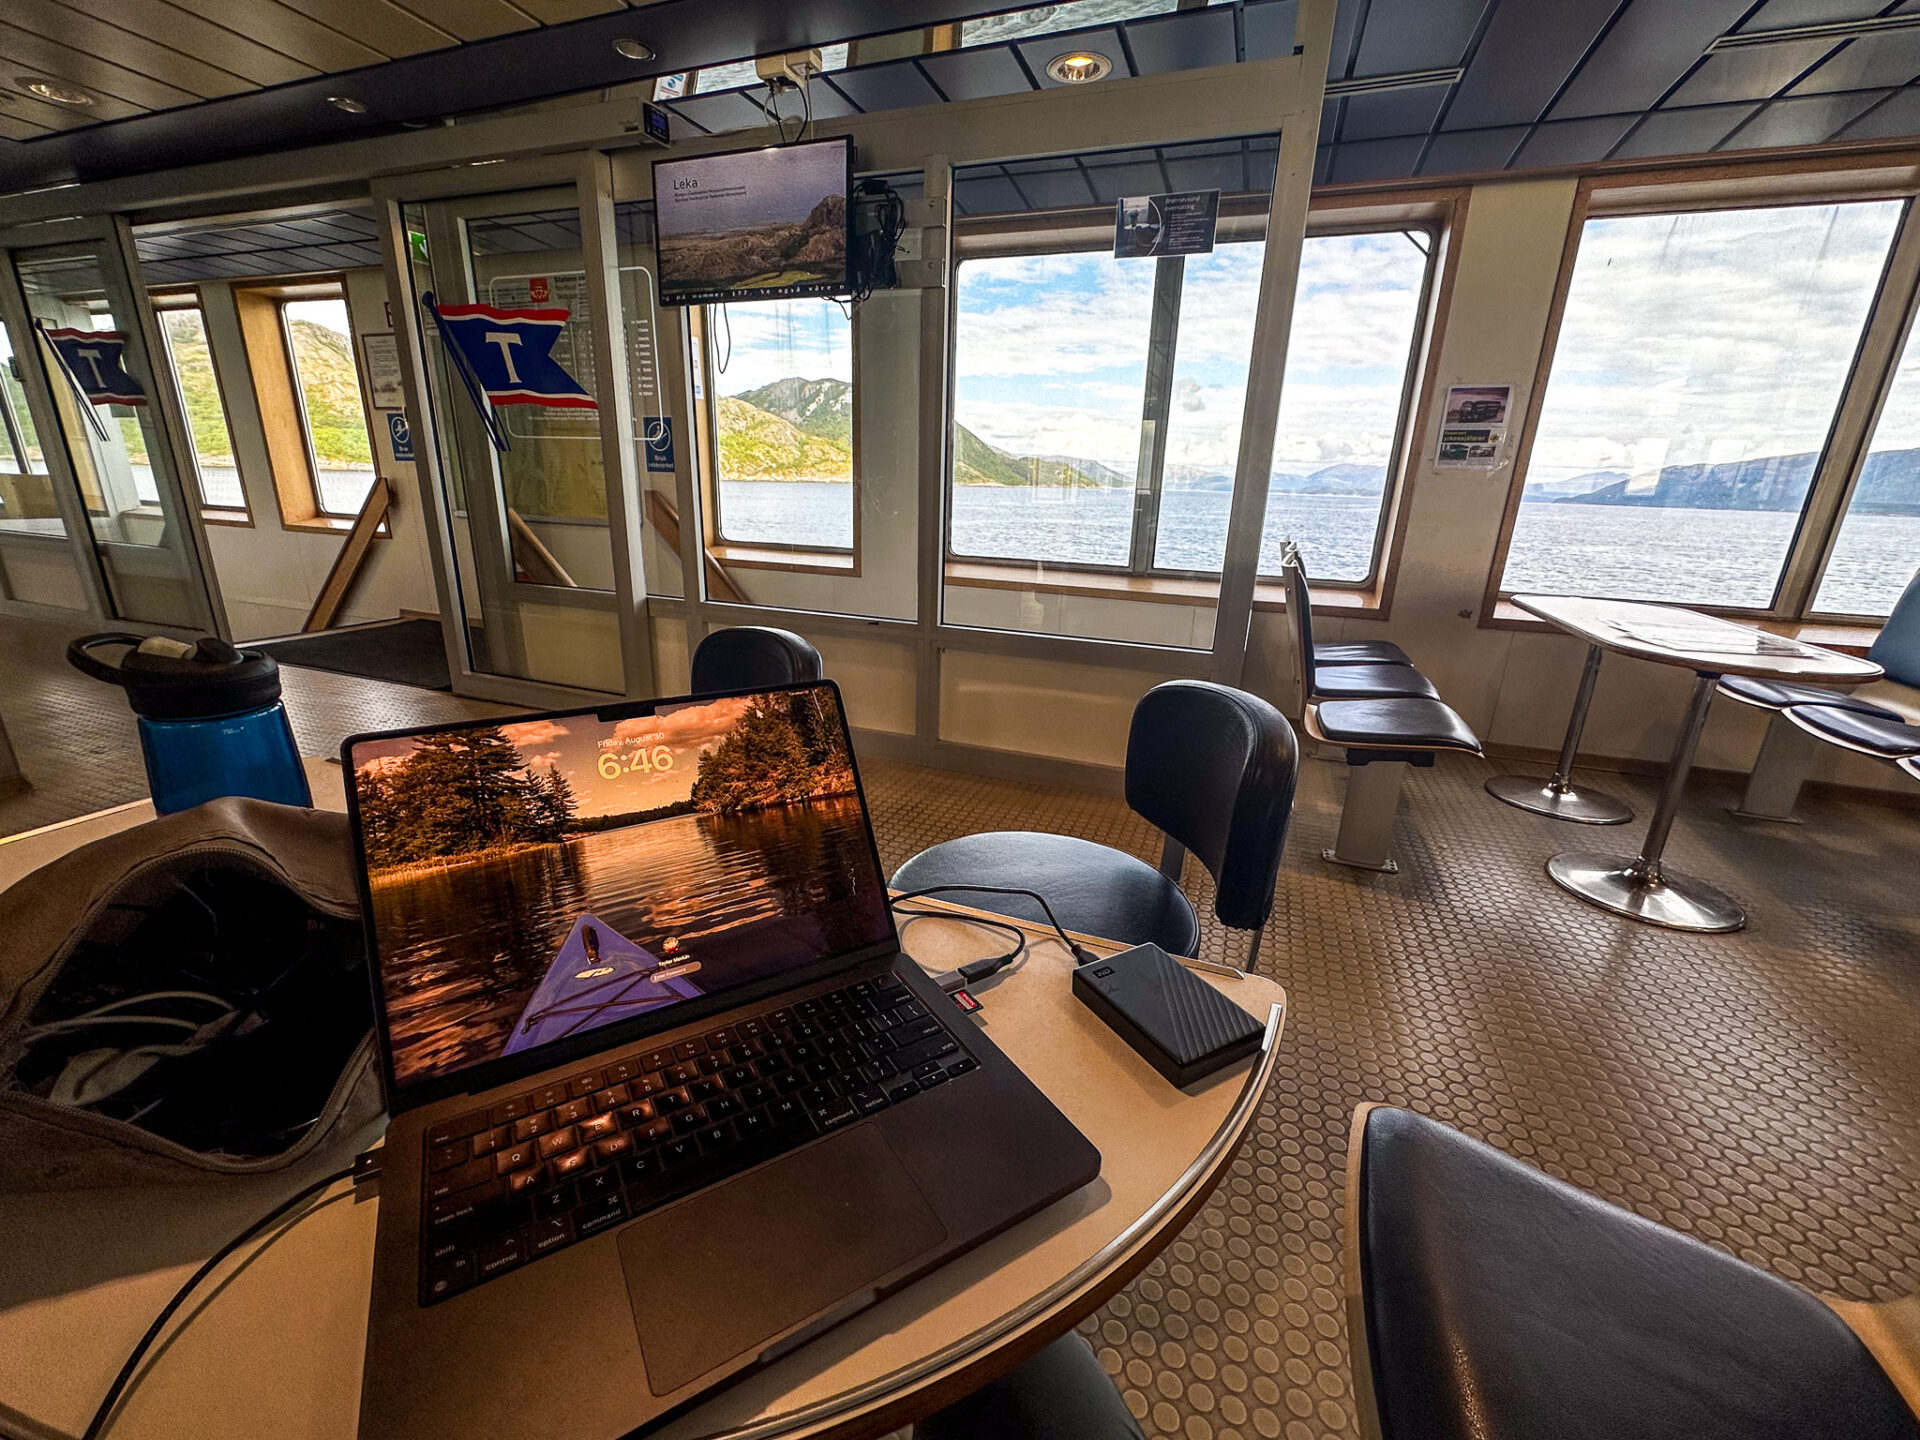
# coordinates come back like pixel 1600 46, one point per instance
pixel 533 880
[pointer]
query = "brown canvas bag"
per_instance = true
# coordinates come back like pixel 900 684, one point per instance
pixel 93 904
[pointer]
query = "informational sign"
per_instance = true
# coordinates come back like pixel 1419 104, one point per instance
pixel 382 353
pixel 96 363
pixel 1473 430
pixel 401 434
pixel 1181 224
pixel 658 431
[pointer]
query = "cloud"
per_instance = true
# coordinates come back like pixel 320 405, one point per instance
pixel 529 733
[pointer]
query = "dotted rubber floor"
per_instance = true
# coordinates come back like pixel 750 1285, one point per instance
pixel 1757 1090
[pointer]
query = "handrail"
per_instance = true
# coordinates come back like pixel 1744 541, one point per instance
pixel 720 585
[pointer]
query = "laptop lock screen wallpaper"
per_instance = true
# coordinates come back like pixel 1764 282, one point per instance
pixel 531 881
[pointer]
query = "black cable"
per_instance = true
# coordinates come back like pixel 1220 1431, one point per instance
pixel 1081 955
pixel 974 970
pixel 121 1381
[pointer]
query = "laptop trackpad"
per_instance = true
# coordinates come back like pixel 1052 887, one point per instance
pixel 722 1274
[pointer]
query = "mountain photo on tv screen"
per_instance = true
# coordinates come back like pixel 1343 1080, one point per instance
pixel 761 224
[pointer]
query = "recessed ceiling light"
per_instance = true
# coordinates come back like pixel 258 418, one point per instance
pixel 348 104
pixel 633 49
pixel 1079 67
pixel 54 91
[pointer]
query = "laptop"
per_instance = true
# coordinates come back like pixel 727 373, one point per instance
pixel 667 1099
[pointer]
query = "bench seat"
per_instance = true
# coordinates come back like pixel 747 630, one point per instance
pixel 1883 739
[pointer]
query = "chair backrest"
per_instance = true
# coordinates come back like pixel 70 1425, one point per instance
pixel 1214 768
pixel 1897 651
pixel 748 656
pixel 1293 574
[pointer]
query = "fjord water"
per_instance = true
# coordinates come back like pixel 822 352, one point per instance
pixel 1682 556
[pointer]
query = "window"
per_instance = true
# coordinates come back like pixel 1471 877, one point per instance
pixel 1052 19
pixel 783 424
pixel 1057 393
pixel 1878 544
pixel 26 494
pixel 333 417
pixel 1700 362
pixel 183 326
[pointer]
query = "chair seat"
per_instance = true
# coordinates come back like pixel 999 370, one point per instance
pixel 1060 1394
pixel 1093 889
pixel 1359 652
pixel 1502 1304
pixel 1781 694
pixel 1362 682
pixel 1886 739
pixel 1407 723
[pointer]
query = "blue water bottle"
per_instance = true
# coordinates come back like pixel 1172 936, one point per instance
pixel 211 721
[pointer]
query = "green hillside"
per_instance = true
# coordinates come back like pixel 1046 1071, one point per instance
pixel 757 445
pixel 331 388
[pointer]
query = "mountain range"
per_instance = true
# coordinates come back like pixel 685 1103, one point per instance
pixel 797 429
pixel 1889 485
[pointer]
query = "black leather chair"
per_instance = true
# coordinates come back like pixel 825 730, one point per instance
pixel 1786 754
pixel 1211 766
pixel 746 657
pixel 1352 678
pixel 1337 652
pixel 1487 1301
pixel 1881 737
pixel 1060 1394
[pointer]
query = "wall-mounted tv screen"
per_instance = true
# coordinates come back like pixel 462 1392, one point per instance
pixel 754 224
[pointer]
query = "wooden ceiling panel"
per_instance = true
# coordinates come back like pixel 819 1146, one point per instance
pixel 24 53
pixel 471 19
pixel 382 24
pixel 215 44
pixel 14 129
pixel 286 31
pixel 79 30
pixel 558 12
pixel 62 117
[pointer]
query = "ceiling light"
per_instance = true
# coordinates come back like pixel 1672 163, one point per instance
pixel 1830 32
pixel 1404 80
pixel 1079 67
pixel 633 49
pixel 348 104
pixel 54 91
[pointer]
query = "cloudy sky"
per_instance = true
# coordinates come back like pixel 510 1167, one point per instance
pixel 1712 337
pixel 1051 353
pixel 773 339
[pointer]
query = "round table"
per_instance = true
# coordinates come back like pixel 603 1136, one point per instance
pixel 273 1344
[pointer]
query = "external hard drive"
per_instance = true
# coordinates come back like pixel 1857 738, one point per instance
pixel 1181 1025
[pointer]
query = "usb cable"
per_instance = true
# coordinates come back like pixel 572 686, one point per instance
pixel 976 971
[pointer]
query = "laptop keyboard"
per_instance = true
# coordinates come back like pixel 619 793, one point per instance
pixel 529 1175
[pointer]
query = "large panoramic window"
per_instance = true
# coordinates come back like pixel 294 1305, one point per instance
pixel 183 327
pixel 1700 361
pixel 782 387
pixel 1877 549
pixel 1054 399
pixel 327 380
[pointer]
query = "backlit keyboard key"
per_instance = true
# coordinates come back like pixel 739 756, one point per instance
pixel 597 1128
pixel 637 1113
pixel 445 1157
pixel 551 1234
pixel 444 1132
pixel 489 1141
pixel 613 1095
pixel 499 1256
pixel 571 1111
pixel 507 1111
pixel 515 1157
pixel 563 1167
pixel 533 1125
pixel 612 1148
pixel 583 1085
pixel 597 1215
pixel 556 1143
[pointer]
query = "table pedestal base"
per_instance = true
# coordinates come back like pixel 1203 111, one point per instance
pixel 1584 807
pixel 1656 895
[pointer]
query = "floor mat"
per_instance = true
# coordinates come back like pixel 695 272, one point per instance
pixel 404 652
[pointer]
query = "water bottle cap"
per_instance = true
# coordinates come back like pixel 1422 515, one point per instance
pixel 167 679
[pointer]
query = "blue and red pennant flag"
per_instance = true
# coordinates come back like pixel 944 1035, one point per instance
pixel 505 356
pixel 96 363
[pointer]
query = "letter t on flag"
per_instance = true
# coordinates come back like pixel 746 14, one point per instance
pixel 506 357
pixel 95 361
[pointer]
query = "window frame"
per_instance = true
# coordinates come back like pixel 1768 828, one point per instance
pixel 1434 212
pixel 189 298
pixel 1864 387
pixel 768 554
